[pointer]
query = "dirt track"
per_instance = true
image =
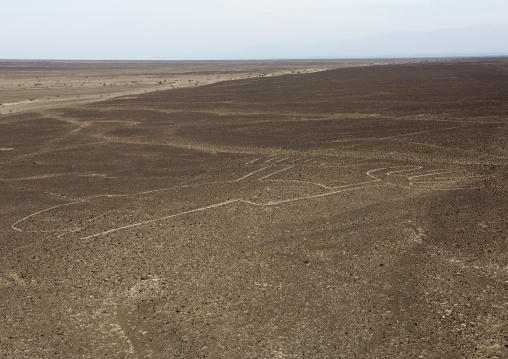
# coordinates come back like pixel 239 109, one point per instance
pixel 355 213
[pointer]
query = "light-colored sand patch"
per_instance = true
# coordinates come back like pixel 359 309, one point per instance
pixel 30 86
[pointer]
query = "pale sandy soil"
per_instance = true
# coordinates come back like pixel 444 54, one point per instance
pixel 39 85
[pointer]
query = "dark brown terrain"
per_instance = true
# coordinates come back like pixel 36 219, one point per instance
pixel 28 85
pixel 353 213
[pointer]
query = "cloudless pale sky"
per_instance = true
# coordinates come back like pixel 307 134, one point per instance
pixel 200 29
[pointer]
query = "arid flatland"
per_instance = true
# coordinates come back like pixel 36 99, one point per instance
pixel 359 212
pixel 38 84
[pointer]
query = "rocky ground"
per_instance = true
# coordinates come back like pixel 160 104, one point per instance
pixel 353 213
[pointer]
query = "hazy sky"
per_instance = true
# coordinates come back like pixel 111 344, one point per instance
pixel 176 29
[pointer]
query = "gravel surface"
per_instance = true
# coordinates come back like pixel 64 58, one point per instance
pixel 358 212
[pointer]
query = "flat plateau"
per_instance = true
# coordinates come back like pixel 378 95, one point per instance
pixel 357 212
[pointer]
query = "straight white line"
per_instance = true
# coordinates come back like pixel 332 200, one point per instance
pixel 454 188
pixel 430 174
pixel 249 174
pixel 331 165
pixel 306 198
pixel 161 218
pixel 271 174
pixel 34 214
pixel 35 177
pixel 427 131
pixel 458 177
pixel 73 231
pixel 434 182
pixel 254 160
pixel 242 201
pixel 272 159
pixel 406 170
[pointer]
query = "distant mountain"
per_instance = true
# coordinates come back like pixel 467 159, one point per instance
pixel 486 40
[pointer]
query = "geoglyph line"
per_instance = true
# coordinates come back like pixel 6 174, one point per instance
pixel 244 201
pixel 429 174
pixel 375 179
pixel 273 173
pixel 406 170
pixel 460 177
pixel 160 219
pixel 64 233
pixel 333 190
pixel 249 174
pixel 432 183
pixel 254 160
pixel 36 213
pixel 223 204
pixel 307 197
pixel 282 160
pixel 126 195
pixel 34 177
pixel 368 173
pixel 420 132
pixel 272 159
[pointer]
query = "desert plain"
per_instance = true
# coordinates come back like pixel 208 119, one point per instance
pixel 212 209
